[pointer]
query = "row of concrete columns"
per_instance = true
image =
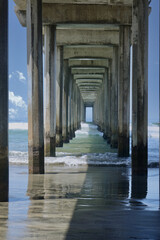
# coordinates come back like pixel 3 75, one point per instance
pixel 64 106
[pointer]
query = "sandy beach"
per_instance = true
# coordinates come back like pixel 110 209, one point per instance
pixel 85 193
pixel 80 203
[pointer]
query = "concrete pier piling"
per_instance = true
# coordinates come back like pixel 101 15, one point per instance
pixel 35 87
pixel 124 92
pixel 114 99
pixel 50 91
pixel 65 101
pixel 4 165
pixel 140 86
pixel 59 97
pixel 87 64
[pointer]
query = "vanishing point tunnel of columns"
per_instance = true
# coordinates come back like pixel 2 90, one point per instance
pixel 87 64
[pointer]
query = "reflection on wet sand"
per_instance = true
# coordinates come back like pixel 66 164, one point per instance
pixel 79 203
pixel 138 191
pixel 3 220
pixel 64 193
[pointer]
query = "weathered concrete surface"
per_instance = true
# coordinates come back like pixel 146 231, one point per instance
pixel 87 76
pixel 65 101
pixel 81 13
pixel 59 97
pixel 87 70
pixel 88 51
pixel 124 92
pixel 90 37
pixel 114 99
pixel 108 100
pixel 35 87
pixel 140 86
pixel 50 91
pixel 22 3
pixel 4 101
pixel 88 62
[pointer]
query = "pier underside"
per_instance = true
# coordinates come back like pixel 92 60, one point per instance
pixel 86 47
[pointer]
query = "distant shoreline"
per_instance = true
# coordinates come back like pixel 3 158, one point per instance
pixel 19 125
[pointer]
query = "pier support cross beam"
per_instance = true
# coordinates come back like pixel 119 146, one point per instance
pixel 124 92
pixel 35 87
pixel 50 90
pixel 4 173
pixel 140 87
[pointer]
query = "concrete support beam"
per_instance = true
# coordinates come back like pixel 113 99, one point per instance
pixel 87 51
pixel 140 87
pixel 22 3
pixel 4 173
pixel 91 62
pixel 35 87
pixel 59 97
pixel 89 37
pixel 50 91
pixel 105 104
pixel 65 101
pixel 71 13
pixel 109 101
pixel 114 100
pixel 69 104
pixel 87 70
pixel 124 92
pixel 72 108
pixel 88 76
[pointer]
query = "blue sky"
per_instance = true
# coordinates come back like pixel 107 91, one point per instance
pixel 18 66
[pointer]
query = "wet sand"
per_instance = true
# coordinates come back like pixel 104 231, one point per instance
pixel 82 202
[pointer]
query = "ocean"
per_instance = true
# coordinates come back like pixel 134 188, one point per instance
pixel 88 148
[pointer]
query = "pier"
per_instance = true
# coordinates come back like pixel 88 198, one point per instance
pixel 82 180
pixel 87 64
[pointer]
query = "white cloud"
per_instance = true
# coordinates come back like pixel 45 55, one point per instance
pixel 18 76
pixel 12 113
pixel 21 76
pixel 17 100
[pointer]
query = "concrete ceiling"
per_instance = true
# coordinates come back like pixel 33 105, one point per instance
pixel 88 30
pixel 22 3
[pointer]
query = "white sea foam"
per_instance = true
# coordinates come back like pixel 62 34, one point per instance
pixel 88 129
pixel 18 126
pixel 72 159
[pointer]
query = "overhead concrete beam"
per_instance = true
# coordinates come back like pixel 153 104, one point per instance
pixel 90 37
pixel 89 83
pixel 87 76
pixel 88 51
pixel 87 70
pixel 91 62
pixel 80 13
pixel 22 3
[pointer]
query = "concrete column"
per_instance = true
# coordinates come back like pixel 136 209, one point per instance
pixel 140 86
pixel 84 113
pixel 72 107
pixel 82 110
pixel 114 99
pixel 59 97
pixel 50 90
pixel 69 104
pixel 65 101
pixel 105 105
pixel 4 174
pixel 35 87
pixel 108 100
pixel 124 92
